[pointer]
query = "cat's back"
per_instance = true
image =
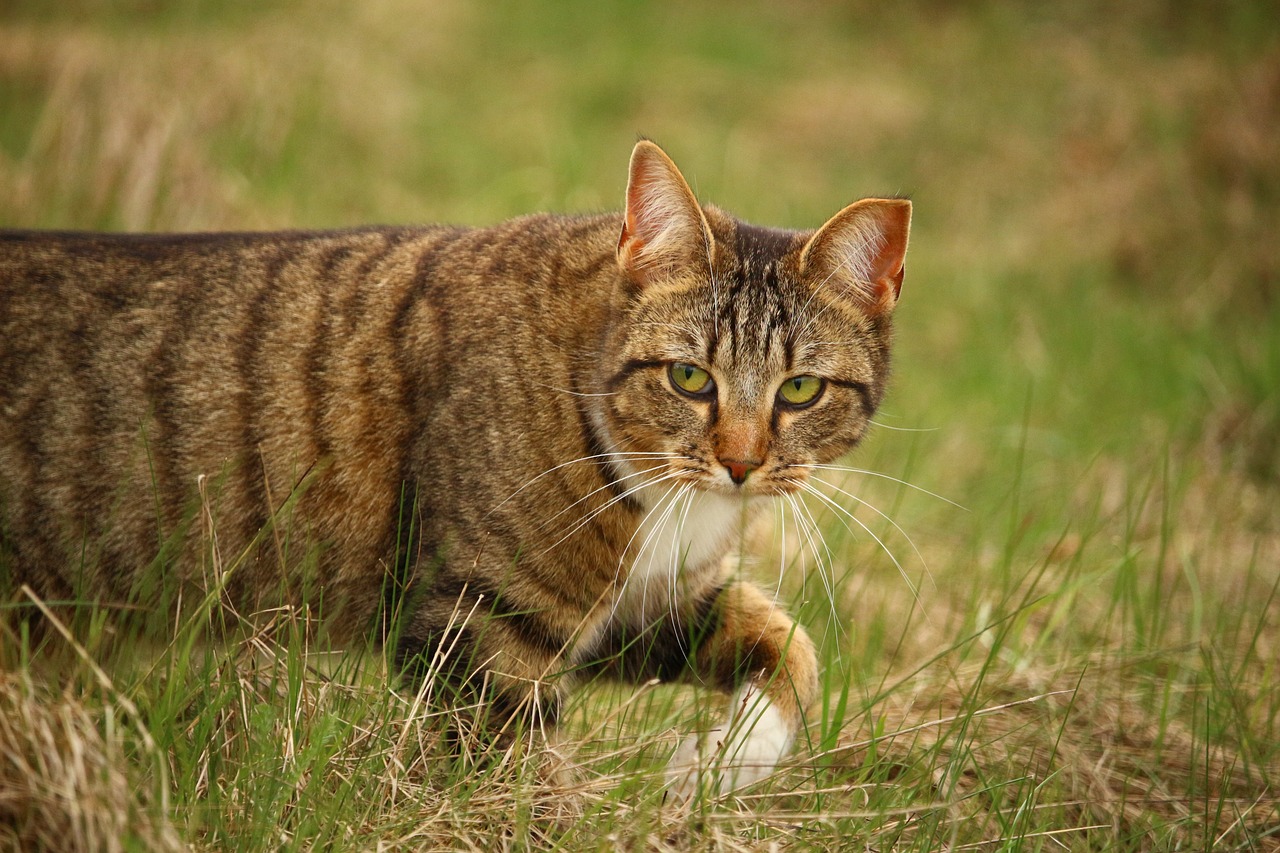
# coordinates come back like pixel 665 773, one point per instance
pixel 51 281
pixel 135 364
pixel 49 275
pixel 84 313
pixel 66 266
pixel 63 290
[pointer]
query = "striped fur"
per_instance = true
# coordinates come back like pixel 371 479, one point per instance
pixel 477 423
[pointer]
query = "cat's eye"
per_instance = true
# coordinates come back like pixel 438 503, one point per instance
pixel 690 379
pixel 800 390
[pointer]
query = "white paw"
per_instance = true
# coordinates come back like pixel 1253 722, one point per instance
pixel 731 756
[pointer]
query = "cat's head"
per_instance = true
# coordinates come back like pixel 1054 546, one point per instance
pixel 744 355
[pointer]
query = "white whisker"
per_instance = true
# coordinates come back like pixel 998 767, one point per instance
pixel 886 517
pixel 622 555
pixel 780 511
pixel 677 559
pixel 610 454
pixel 671 475
pixel 876 423
pixel 576 393
pixel 831 502
pixel 599 489
pixel 813 534
pixel 883 476
pixel 642 551
pixel 808 528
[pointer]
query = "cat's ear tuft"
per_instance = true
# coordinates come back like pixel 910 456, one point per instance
pixel 663 226
pixel 863 250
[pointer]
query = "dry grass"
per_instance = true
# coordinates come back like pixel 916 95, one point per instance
pixel 1089 334
pixel 1074 746
pixel 66 778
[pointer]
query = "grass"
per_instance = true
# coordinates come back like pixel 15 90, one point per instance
pixel 1088 363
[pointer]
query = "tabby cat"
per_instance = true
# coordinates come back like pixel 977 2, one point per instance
pixel 539 440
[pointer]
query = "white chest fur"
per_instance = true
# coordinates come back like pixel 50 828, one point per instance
pixel 683 537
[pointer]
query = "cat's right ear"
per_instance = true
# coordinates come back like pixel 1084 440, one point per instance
pixel 663 227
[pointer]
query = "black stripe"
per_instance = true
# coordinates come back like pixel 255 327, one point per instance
pixel 685 638
pixel 318 357
pixel 860 387
pixel 526 623
pixel 94 417
pixel 776 319
pixel 593 269
pixel 162 246
pixel 416 652
pixel 37 548
pixel 632 366
pixel 664 649
pixel 864 392
pixel 763 244
pixel 423 277
pixel 330 260
pixel 503 705
pixel 247 362
pixel 596 450
pixel 734 307
pixel 353 310
pixel 499 245
pixel 353 307
pixel 163 397
pixel 406 540
pixel 460 678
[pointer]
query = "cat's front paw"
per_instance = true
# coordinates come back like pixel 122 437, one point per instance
pixel 692 765
pixel 731 756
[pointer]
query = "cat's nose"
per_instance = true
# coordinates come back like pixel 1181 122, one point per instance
pixel 739 469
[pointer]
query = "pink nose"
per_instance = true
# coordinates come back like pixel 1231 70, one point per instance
pixel 738 469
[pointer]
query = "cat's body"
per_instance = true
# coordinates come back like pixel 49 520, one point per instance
pixel 539 438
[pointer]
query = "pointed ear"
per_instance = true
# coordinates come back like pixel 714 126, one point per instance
pixel 863 250
pixel 663 226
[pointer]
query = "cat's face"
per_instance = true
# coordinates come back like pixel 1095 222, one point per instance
pixel 741 373
pixel 747 377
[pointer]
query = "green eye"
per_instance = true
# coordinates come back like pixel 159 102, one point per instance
pixel 800 390
pixel 690 379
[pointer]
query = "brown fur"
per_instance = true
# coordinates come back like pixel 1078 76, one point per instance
pixel 427 391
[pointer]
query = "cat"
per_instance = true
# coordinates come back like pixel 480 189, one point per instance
pixel 538 440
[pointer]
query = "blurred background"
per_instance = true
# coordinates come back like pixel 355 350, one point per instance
pixel 1089 339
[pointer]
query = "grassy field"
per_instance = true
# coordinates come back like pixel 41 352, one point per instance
pixel 1088 375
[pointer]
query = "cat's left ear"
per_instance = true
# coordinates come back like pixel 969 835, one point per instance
pixel 863 250
pixel 663 227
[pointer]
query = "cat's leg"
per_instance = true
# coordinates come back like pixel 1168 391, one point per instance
pixel 491 661
pixel 767 662
pixel 735 638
